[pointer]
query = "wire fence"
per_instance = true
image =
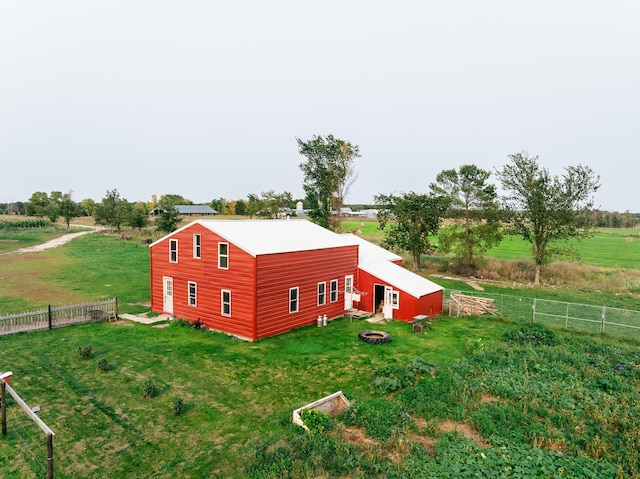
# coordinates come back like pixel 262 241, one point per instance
pixel 558 314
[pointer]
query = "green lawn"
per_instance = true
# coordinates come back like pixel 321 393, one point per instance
pixel 235 392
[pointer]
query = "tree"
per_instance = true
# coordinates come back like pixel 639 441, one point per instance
pixel 254 204
pixel 547 210
pixel 411 219
pixel 112 210
pixel 68 208
pixel 328 174
pixel 473 199
pixel 240 207
pixel 169 218
pixel 138 217
pixel 38 204
pixel 274 203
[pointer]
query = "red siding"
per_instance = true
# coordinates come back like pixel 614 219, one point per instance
pixel 210 280
pixel 408 306
pixel 277 273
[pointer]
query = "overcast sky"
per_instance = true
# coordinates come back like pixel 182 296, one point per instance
pixel 206 98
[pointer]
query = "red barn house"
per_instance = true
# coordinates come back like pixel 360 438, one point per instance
pixel 256 279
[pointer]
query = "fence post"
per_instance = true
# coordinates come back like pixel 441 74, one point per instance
pixel 604 315
pixel 533 311
pixel 50 317
pixel 49 456
pixel 3 406
pixel 115 308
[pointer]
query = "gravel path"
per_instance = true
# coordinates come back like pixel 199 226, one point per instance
pixel 54 243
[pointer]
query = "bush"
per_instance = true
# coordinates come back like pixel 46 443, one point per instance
pixel 198 325
pixel 177 406
pixel 535 335
pixel 102 364
pixel 316 421
pixel 148 389
pixel 85 352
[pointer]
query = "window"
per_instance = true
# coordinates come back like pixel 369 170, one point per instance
pixel 197 246
pixel 333 294
pixel 223 255
pixel 395 299
pixel 225 309
pixel 193 293
pixel 173 251
pixel 293 300
pixel 322 293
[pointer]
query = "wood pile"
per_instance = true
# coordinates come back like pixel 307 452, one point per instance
pixel 473 305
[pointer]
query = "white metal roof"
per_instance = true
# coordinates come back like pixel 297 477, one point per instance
pixel 369 252
pixel 258 237
pixel 401 278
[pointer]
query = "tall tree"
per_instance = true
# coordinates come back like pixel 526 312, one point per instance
pixel 411 218
pixel 113 210
pixel 68 208
pixel 328 174
pixel 546 210
pixel 168 219
pixel 38 204
pixel 473 200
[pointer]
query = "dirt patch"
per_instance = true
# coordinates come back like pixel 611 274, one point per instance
pixel 356 435
pixel 121 323
pixel 464 429
pixel 160 326
pixel 488 398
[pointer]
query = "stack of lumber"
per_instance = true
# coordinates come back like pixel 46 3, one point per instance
pixel 473 304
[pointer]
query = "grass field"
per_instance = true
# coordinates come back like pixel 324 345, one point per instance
pixel 238 398
pixel 234 392
pixel 486 408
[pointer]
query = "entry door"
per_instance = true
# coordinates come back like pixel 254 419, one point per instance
pixel 348 290
pixel 387 307
pixel 167 294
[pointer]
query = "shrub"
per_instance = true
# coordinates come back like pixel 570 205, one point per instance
pixel 535 335
pixel 180 322
pixel 85 352
pixel 102 364
pixel 148 389
pixel 316 421
pixel 198 325
pixel 177 406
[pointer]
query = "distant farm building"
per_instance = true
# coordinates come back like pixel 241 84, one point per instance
pixel 256 279
pixel 188 210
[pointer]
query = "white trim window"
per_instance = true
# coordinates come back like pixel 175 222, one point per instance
pixel 395 299
pixel 333 293
pixel 225 302
pixel 294 299
pixel 197 246
pixel 193 294
pixel 173 251
pixel 322 293
pixel 223 255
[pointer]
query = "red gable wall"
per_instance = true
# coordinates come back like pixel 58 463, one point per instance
pixel 305 269
pixel 259 286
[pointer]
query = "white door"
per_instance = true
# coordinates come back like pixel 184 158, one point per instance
pixel 348 290
pixel 387 307
pixel 167 294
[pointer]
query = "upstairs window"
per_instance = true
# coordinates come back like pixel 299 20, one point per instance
pixel 293 300
pixel 173 251
pixel 223 255
pixel 322 293
pixel 333 294
pixel 197 246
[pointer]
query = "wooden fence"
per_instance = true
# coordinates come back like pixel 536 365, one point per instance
pixel 52 317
